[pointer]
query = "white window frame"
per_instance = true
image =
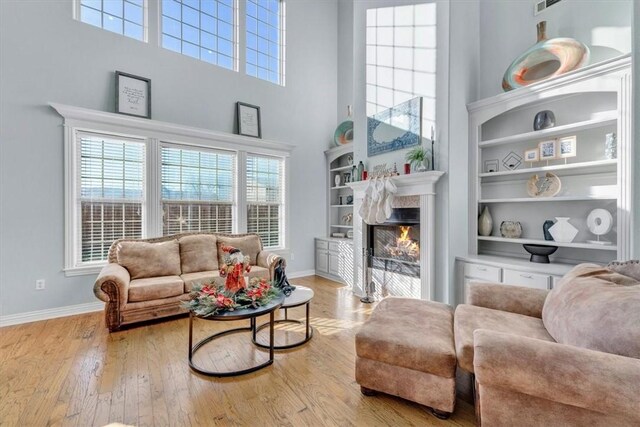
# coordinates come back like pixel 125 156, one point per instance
pixel 282 47
pixel 145 20
pixel 155 133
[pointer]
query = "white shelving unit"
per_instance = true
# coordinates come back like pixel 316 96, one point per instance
pixel 588 103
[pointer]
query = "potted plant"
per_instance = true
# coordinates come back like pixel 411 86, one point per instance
pixel 419 159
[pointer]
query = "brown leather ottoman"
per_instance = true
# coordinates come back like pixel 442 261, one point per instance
pixel 406 349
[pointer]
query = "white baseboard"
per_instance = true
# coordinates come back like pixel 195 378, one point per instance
pixel 50 313
pixel 303 273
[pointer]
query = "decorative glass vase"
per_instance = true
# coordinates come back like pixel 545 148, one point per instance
pixel 485 222
pixel 562 231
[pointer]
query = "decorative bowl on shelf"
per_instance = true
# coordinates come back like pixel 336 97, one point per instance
pixel 344 133
pixel 540 253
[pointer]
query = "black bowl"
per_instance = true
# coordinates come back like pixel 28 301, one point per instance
pixel 540 253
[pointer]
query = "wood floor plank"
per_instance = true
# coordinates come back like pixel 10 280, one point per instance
pixel 73 372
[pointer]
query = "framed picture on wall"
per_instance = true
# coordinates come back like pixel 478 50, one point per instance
pixel 248 117
pixel 133 95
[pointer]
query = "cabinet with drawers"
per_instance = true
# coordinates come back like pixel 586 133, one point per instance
pixel 334 259
pixel 507 271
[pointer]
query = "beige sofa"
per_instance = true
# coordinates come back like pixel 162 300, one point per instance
pixel 148 279
pixel 568 357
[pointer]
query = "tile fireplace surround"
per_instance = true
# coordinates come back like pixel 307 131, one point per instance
pixel 414 190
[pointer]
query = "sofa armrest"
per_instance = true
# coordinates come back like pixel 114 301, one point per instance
pixel 514 299
pixel 269 260
pixel 594 380
pixel 113 282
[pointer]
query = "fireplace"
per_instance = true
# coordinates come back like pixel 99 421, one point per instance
pixel 395 245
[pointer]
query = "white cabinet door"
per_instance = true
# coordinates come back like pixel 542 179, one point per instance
pixel 322 261
pixel 482 272
pixel 521 278
pixel 334 264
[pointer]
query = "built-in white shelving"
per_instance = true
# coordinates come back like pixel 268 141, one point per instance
pixel 340 187
pixel 341 168
pixel 581 167
pixel 342 206
pixel 342 226
pixel 523 241
pixel 548 199
pixel 608 118
pixel 339 163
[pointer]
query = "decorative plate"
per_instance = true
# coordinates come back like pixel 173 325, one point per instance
pixel 344 133
pixel 548 186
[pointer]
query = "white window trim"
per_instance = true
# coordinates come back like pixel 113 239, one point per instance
pixel 155 133
pixel 145 20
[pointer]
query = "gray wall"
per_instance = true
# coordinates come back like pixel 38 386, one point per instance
pixel 46 56
pixel 508 28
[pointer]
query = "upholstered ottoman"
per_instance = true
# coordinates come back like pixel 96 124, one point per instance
pixel 406 349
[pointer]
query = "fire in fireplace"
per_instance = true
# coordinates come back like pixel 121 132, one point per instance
pixel 395 245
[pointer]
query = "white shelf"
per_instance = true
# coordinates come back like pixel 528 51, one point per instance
pixel 341 187
pixel 586 167
pixel 608 118
pixel 341 206
pixel 341 168
pixel 548 199
pixel 342 226
pixel 521 241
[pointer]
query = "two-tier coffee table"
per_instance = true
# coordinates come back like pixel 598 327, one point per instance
pixel 243 314
pixel 300 296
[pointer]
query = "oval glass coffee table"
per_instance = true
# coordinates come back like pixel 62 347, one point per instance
pixel 300 296
pixel 248 313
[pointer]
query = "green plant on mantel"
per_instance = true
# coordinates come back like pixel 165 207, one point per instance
pixel 418 158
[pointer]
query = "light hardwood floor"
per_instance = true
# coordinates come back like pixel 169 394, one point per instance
pixel 71 371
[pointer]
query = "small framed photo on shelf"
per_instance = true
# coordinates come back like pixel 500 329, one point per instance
pixel 567 147
pixel 531 155
pixel 548 150
pixel 491 166
pixel 133 95
pixel 248 117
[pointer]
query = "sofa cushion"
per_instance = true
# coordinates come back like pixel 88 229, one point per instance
pixel 468 318
pixel 249 244
pixel 155 288
pixel 595 308
pixel 204 277
pixel 144 259
pixel 410 333
pixel 626 268
pixel 198 253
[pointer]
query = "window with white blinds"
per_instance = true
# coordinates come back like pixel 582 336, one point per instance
pixel 197 190
pixel 111 196
pixel 265 199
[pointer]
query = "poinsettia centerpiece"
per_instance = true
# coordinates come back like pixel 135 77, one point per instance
pixel 235 294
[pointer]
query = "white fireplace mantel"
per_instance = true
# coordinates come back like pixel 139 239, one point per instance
pixel 422 184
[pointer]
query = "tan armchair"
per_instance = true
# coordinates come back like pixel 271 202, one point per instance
pixel 523 376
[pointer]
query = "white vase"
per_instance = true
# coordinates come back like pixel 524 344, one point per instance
pixel 562 231
pixel 337 180
pixel 485 222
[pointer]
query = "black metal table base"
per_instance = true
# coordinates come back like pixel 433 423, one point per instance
pixel 308 330
pixel 251 328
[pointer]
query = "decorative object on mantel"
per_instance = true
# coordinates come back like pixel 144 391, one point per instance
pixel 249 123
pixel 133 95
pixel 407 168
pixel 491 166
pixel 381 171
pixel 338 180
pixel 395 128
pixel 562 231
pixel 611 146
pixel 354 174
pixel 344 133
pixel 544 119
pixel 545 229
pixel 485 222
pixel 378 200
pixel 360 170
pixel 512 161
pixel 599 222
pixel 418 159
pixel 545 59
pixel 540 253
pixel 511 229
pixel 550 186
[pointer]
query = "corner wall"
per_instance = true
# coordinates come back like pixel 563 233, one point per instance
pixel 47 56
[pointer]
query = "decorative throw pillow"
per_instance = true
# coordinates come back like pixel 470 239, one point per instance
pixel 249 244
pixel 595 308
pixel 627 268
pixel 144 259
pixel 198 253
